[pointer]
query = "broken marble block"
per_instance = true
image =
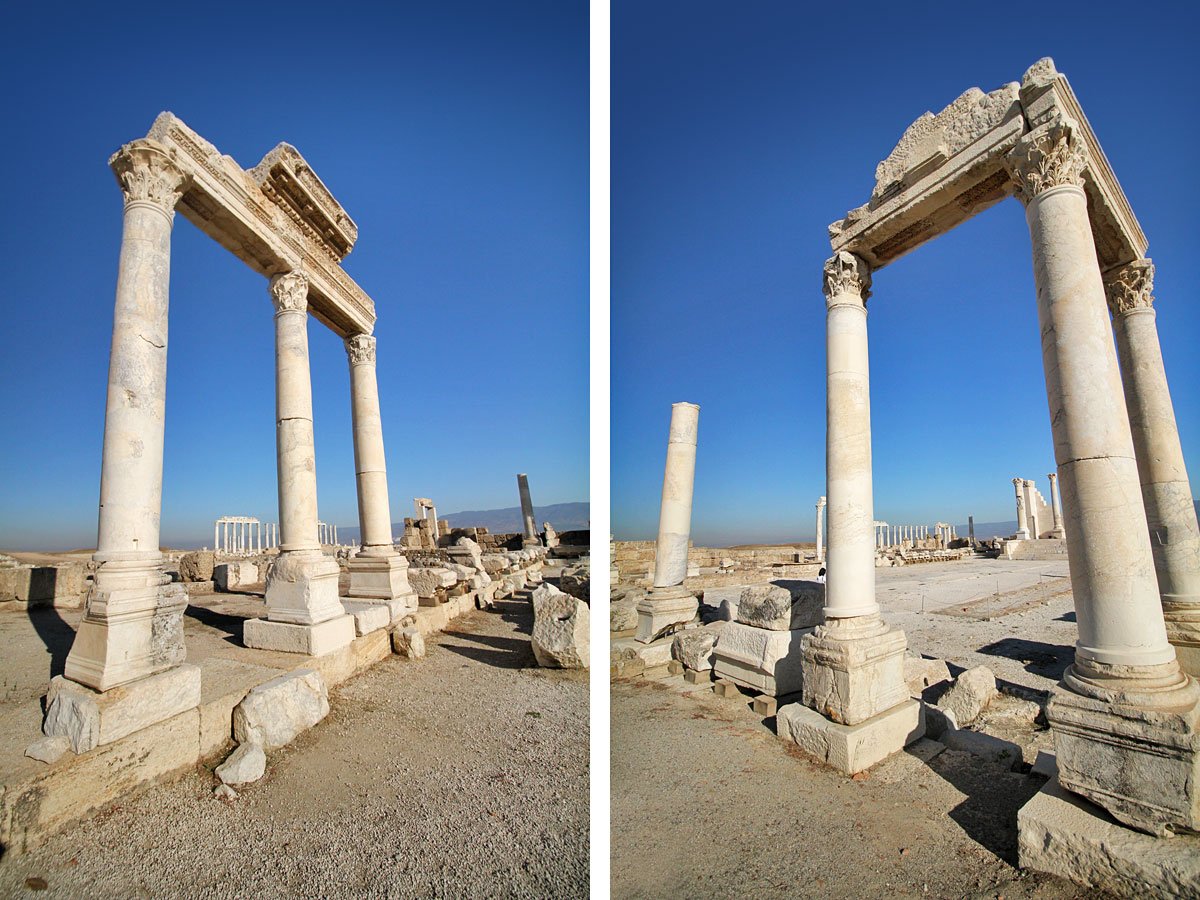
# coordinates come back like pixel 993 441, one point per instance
pixel 762 659
pixel 275 712
pixel 694 648
pixel 409 642
pixel 970 695
pixel 783 606
pixel 245 764
pixel 560 629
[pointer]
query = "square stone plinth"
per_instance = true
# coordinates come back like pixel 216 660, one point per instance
pixel 368 617
pixel 311 640
pixel 89 718
pixel 761 659
pixel 1065 835
pixel 854 680
pixel 662 609
pixel 852 748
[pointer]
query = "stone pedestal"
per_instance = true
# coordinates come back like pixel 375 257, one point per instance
pixel 761 659
pixel 382 580
pixel 663 608
pixel 311 640
pixel 853 669
pixel 852 748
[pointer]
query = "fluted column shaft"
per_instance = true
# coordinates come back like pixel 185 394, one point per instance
pixel 675 513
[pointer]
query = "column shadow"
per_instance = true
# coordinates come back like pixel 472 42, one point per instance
pixel 1038 657
pixel 232 625
pixel 52 629
pixel 492 650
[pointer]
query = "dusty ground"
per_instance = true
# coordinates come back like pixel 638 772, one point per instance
pixel 464 774
pixel 707 801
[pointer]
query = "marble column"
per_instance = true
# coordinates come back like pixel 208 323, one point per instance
pixel 668 604
pixel 1124 716
pixel 527 515
pixel 1055 506
pixel 378 573
pixel 1166 491
pixel 1022 520
pixel 304 614
pixel 133 624
pixel 852 665
pixel 1031 510
pixel 821 529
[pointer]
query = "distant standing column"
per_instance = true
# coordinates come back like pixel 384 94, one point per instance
pixel 1166 492
pixel 527 514
pixel 1022 522
pixel 1031 510
pixel 1055 506
pixel 821 529
pixel 667 604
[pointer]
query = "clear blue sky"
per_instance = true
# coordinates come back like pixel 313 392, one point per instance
pixel 740 131
pixel 454 133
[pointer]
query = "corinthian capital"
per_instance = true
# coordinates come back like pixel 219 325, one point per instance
pixel 846 273
pixel 290 292
pixel 146 172
pixel 1050 156
pixel 361 349
pixel 1130 287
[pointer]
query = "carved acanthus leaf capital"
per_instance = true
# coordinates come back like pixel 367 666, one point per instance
pixel 1051 156
pixel 146 171
pixel 846 273
pixel 361 349
pixel 290 292
pixel 1130 287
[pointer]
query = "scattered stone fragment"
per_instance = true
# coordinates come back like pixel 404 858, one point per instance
pixel 225 792
pixel 275 712
pixel 245 764
pixel 49 749
pixel 970 695
pixel 196 566
pixel 694 647
pixel 560 629
pixel 765 705
pixel 779 608
pixel 921 673
pixel 408 642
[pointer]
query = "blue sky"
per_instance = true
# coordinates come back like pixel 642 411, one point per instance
pixel 455 134
pixel 740 131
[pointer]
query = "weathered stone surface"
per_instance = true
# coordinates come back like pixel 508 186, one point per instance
pixel 560 629
pixel 274 713
pixel 311 640
pixel 89 718
pixel 230 575
pixel 245 764
pixel 368 617
pixel 921 673
pixel 196 566
pixel 852 748
pixel 694 647
pixel 576 581
pixel 970 695
pixel 495 563
pixel 409 642
pixel 1060 833
pixel 48 749
pixel 761 658
pixel 427 581
pixel 779 608
pixel 622 612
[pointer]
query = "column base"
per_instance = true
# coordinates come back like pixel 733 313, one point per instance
pixel 662 608
pixel 383 580
pixel 852 748
pixel 761 659
pixel 89 718
pixel 1131 746
pixel 311 640
pixel 302 588
pixel 853 669
pixel 1181 614
pixel 133 627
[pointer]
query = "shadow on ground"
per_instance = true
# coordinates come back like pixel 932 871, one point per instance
pixel 230 624
pixel 1038 657
pixel 55 633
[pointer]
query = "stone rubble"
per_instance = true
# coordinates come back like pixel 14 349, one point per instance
pixel 560 629
pixel 274 713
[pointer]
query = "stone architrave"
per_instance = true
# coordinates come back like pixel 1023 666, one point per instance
pixel 1125 715
pixel 668 603
pixel 130 641
pixel 530 538
pixel 853 664
pixel 378 573
pixel 1166 491
pixel 304 614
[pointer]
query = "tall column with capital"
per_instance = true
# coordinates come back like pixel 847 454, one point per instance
pixel 378 573
pixel 668 604
pixel 132 629
pixel 1124 706
pixel 531 533
pixel 304 614
pixel 1022 519
pixel 820 529
pixel 853 664
pixel 1166 492
pixel 1056 507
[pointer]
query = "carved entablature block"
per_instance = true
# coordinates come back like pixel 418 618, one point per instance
pixel 846 273
pixel 360 348
pixel 1051 156
pixel 932 139
pixel 290 292
pixel 146 171
pixel 1130 287
pixel 287 179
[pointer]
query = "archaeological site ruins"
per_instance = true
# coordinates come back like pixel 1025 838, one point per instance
pixel 277 614
pixel 809 631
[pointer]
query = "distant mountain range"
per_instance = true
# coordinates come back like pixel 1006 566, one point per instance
pixel 563 516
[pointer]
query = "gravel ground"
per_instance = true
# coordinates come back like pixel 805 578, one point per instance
pixel 708 802
pixel 464 774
